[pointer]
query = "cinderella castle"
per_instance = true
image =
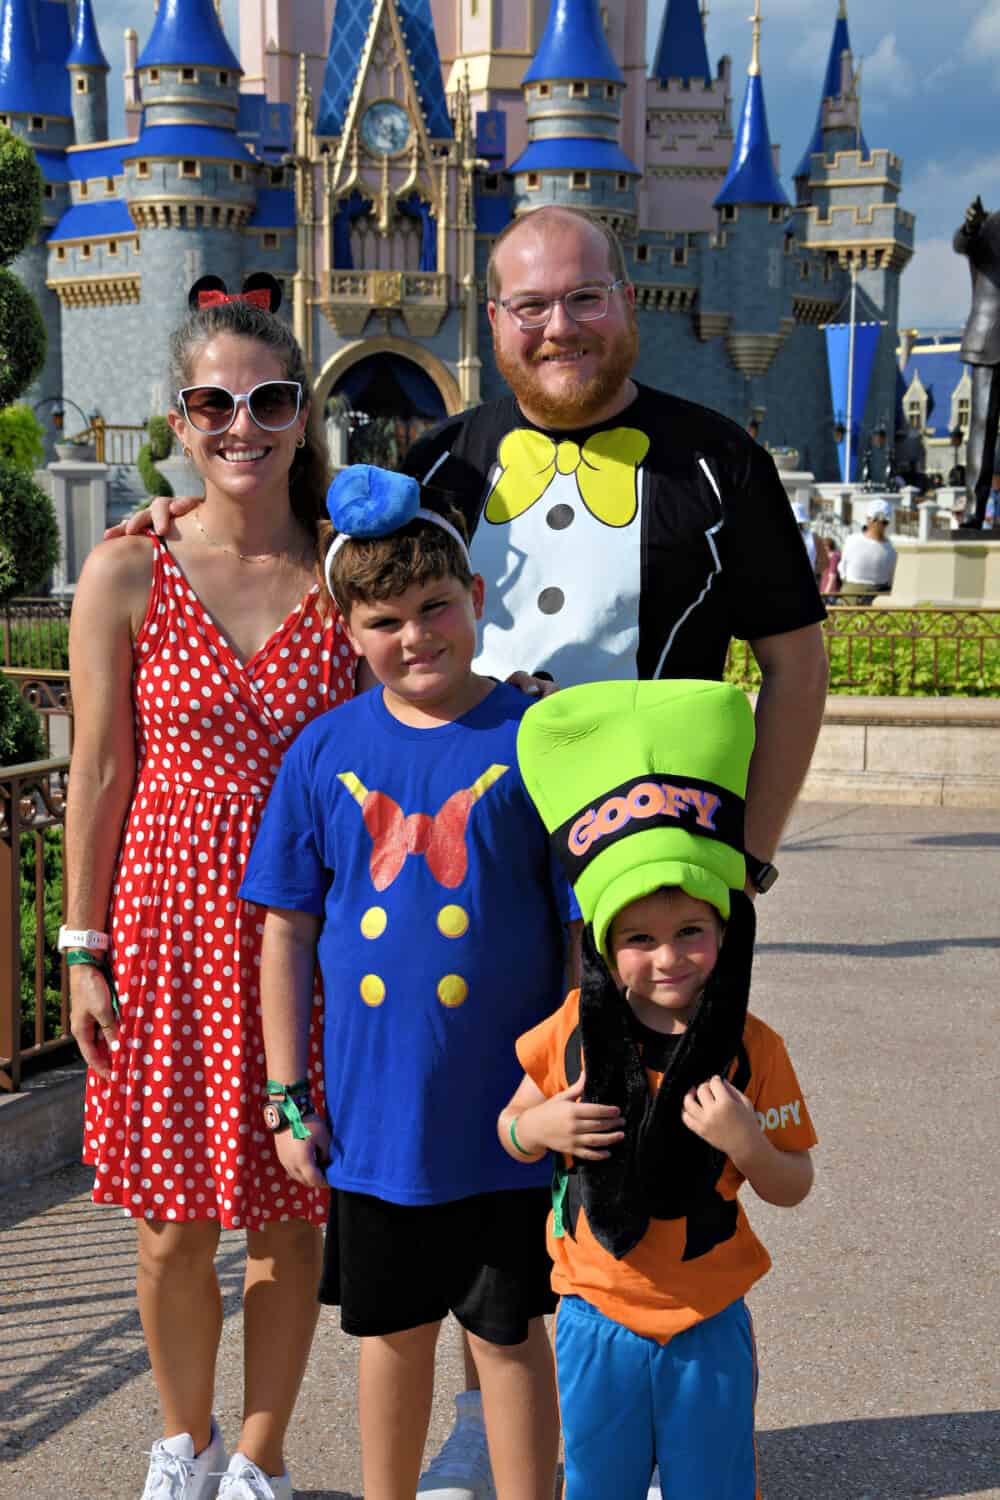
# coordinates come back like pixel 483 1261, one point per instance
pixel 367 152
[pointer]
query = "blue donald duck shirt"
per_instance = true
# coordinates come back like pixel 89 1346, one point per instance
pixel 442 937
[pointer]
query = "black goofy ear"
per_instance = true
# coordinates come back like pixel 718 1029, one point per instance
pixel 204 284
pixel 263 281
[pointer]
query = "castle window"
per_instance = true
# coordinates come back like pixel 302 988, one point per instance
pixel 237 171
pixel 270 242
pixel 642 252
pixel 491 182
pixel 776 213
pixel 789 244
pixel 142 169
pixel 680 257
pixel 915 414
pixel 803 270
pixel 85 252
pixel 963 411
pixel 84 188
pixel 223 77
pixel 5 120
pixel 154 75
pixel 48 191
pixel 730 213
pixel 190 168
pixel 60 252
pixel 828 268
pixel 277 176
pixel 621 182
pixel 579 179
pixel 37 122
pixel 81 83
pixel 189 75
pixel 533 181
pixel 112 247
pixel 579 89
pixel 109 185
pixel 609 91
pixel 544 91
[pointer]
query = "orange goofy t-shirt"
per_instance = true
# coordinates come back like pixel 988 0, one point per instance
pixel 653 1289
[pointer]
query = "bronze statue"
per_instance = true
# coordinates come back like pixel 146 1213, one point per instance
pixel 979 239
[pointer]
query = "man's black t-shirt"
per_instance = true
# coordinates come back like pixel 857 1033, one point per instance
pixel 636 547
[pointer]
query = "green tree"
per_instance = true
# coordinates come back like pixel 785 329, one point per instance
pixel 159 442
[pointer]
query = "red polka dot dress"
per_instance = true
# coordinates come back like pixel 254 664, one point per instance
pixel 176 1132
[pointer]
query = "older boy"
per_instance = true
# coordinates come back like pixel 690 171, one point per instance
pixel 401 846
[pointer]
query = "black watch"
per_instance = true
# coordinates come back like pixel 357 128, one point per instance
pixel 760 873
pixel 275 1118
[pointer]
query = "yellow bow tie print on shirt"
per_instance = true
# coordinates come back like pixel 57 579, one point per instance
pixel 605 468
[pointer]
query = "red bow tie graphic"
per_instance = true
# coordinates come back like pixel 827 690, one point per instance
pixel 440 837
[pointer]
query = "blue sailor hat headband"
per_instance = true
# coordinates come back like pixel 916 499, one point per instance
pixel 365 502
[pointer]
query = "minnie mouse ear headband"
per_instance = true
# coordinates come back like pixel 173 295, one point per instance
pixel 364 502
pixel 259 289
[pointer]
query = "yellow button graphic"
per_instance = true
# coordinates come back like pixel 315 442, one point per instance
pixel 452 990
pixel 374 921
pixel 372 989
pixel 453 921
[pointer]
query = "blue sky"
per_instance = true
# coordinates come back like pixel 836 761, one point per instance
pixel 930 92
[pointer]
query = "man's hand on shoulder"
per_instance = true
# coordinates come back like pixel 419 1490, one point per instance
pixel 157 516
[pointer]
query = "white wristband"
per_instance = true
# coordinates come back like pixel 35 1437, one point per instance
pixel 83 937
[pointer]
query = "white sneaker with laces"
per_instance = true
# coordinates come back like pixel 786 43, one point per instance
pixel 244 1480
pixel 461 1470
pixel 176 1472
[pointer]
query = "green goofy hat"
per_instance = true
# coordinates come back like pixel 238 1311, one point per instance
pixel 641 785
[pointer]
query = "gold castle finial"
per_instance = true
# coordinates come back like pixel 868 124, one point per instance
pixel 842 12
pixel 756 19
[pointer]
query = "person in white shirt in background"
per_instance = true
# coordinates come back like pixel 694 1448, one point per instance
pixel 868 563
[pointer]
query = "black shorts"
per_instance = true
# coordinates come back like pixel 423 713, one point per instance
pixel 391 1267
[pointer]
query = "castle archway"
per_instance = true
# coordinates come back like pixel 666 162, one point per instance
pixel 379 394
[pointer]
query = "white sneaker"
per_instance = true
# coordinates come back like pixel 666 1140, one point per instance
pixel 461 1471
pixel 655 1493
pixel 243 1480
pixel 176 1472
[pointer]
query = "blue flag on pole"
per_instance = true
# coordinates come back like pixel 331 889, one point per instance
pixel 838 343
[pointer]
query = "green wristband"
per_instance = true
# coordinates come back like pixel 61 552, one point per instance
pixel 516 1143
pixel 99 961
pixel 282 1090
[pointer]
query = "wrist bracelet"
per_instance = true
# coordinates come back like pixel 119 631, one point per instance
pixel 88 959
pixel 516 1143
pixel 282 1090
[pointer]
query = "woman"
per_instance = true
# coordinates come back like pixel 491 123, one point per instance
pixel 195 660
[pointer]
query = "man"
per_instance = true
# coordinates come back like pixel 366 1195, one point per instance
pixel 625 532
pixel 868 564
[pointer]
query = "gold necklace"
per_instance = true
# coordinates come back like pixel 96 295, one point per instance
pixel 247 557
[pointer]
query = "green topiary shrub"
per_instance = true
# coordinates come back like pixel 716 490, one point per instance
pixel 29 536
pixel 161 440
pixel 21 736
pixel 21 436
pixel 21 199
pixel 22 336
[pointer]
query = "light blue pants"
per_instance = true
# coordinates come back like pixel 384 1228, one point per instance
pixel 628 1402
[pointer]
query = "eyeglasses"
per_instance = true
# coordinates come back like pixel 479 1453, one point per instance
pixel 273 405
pixel 585 304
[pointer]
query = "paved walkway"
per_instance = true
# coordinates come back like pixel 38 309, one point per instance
pixel 879 961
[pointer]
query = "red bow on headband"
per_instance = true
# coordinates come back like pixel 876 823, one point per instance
pixel 439 838
pixel 261 297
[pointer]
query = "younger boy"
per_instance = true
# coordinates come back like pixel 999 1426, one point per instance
pixel 399 844
pixel 658 1089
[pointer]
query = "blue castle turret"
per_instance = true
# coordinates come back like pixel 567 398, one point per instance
pixel 572 93
pixel 88 73
pixel 681 51
pixel 838 122
pixel 752 178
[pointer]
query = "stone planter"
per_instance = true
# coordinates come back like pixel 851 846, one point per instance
pixel 80 453
pixel 786 460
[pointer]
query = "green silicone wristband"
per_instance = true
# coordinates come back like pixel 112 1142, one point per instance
pixel 282 1090
pixel 516 1143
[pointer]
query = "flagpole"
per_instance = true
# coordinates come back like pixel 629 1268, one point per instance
pixel 850 373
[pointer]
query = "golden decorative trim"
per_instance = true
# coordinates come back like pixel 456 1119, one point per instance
pixel 125 140
pixel 664 297
pixel 95 291
pixel 188 213
pixel 815 310
pixel 754 353
pixel 710 325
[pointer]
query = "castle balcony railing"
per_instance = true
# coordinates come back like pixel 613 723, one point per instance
pixel 117 442
pixel 421 298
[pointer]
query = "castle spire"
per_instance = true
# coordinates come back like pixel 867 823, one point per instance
pixel 33 78
pixel 838 97
pixel 573 45
pixel 681 51
pixel 752 177
pixel 188 32
pixel 86 51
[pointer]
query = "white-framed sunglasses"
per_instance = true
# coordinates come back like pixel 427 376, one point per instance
pixel 273 405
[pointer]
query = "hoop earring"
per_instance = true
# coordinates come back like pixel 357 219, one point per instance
pixel 187 452
pixel 301 443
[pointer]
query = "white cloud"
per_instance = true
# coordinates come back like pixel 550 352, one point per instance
pixel 810 56
pixel 939 76
pixel 984 33
pixel 935 288
pixel 887 74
